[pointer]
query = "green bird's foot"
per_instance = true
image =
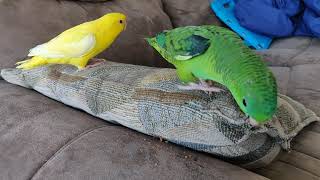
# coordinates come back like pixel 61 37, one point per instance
pixel 94 62
pixel 209 84
pixel 203 86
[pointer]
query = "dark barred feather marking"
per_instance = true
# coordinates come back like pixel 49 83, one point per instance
pixel 238 67
pixel 239 64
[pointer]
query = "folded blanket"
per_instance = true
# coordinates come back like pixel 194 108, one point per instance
pixel 280 18
pixel 147 100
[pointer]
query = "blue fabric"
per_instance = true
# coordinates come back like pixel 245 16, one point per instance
pixel 314 5
pixel 280 18
pixel 312 21
pixel 289 7
pixel 224 9
pixel 261 17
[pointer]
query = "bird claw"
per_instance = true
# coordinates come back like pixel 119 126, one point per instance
pixel 203 86
pixel 94 62
pixel 209 84
pixel 208 92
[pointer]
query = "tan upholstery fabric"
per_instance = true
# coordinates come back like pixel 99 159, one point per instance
pixel 116 153
pixel 296 64
pixel 33 128
pixel 186 12
pixel 44 139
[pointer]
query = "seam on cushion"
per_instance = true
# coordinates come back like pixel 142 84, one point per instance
pixel 167 13
pixel 290 77
pixel 293 65
pixel 310 90
pixel 312 129
pixel 269 168
pixel 308 154
pixel 81 6
pixel 289 80
pixel 302 50
pixel 66 146
pixel 299 167
pixel 289 87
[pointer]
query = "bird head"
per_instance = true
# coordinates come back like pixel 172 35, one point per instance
pixel 113 22
pixel 159 43
pixel 258 100
pixel 153 43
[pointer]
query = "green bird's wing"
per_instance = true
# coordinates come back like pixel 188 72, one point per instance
pixel 183 44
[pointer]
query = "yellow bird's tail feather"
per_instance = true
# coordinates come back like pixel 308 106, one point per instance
pixel 21 62
pixel 31 63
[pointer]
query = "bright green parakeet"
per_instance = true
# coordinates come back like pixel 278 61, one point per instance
pixel 214 53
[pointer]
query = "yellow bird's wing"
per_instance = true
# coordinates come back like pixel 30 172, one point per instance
pixel 69 44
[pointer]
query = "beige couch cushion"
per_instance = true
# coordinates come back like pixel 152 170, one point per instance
pixel 118 153
pixel 43 139
pixel 296 64
pixel 33 128
pixel 186 12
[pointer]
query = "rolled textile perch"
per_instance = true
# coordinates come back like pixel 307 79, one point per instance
pixel 147 100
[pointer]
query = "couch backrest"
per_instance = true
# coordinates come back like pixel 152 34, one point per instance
pixel 190 12
pixel 27 23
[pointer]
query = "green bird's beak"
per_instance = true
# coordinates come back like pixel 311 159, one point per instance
pixel 149 40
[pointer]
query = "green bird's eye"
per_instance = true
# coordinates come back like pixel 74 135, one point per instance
pixel 244 102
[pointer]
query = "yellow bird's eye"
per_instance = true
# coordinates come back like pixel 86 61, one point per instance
pixel 121 21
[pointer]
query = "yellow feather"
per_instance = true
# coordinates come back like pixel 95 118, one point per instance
pixel 77 45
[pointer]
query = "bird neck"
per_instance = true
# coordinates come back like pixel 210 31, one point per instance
pixel 176 63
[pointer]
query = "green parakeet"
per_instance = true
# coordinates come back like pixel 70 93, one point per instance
pixel 215 53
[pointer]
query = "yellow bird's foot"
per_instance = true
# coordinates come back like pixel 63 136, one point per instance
pixel 94 62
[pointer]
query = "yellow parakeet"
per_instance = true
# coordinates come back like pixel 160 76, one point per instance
pixel 76 46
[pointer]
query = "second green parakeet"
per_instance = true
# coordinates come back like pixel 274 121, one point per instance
pixel 215 53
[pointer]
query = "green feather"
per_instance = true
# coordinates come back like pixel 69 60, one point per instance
pixel 215 53
pixel 161 40
pixel 183 46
